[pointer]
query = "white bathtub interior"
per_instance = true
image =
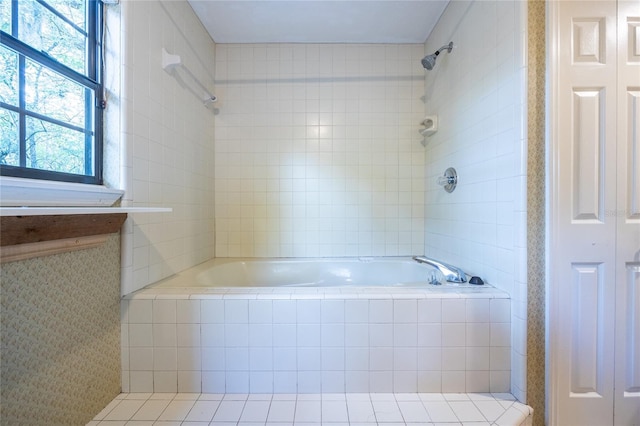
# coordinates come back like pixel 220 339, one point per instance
pixel 304 272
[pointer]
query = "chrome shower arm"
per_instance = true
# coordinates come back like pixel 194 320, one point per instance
pixel 447 47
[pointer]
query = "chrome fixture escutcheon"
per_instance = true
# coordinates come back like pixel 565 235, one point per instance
pixel 449 180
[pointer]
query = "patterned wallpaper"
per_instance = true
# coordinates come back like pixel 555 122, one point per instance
pixel 60 336
pixel 536 210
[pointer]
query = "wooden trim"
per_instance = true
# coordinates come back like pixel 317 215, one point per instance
pixel 16 230
pixel 46 248
pixel 26 237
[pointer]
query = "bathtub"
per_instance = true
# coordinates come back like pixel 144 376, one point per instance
pixel 314 326
pixel 324 272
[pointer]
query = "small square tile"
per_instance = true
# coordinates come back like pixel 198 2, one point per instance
pixel 177 410
pixel 500 310
pixel 212 311
pixel 380 381
pixel 454 310
pixel 440 412
pixel 478 310
pixel 453 334
pixel 453 381
pixel 141 359
pixel 477 358
pixel 387 411
pixel 213 381
pixel 237 382
pixel 165 381
pixel 284 311
pixel 334 411
pixel 308 311
pixel 255 411
pixel 332 334
pixel 332 311
pixel 405 381
pixel 477 381
pixel 165 359
pixel 413 412
pixel 282 411
pixel 188 335
pixel 236 335
pixel 491 410
pixel 165 335
pixel 260 311
pixel 356 311
pixel 308 412
pixel 357 381
pixel 380 311
pixel 188 311
pixel 333 381
pixel 190 381
pixel 429 381
pixel 140 311
pixel 151 410
pixel 164 311
pixel 260 381
pixel 140 335
pixel 229 411
pixel 430 311
pixel 453 359
pixel 405 335
pixel 141 381
pixel 360 412
pixel 124 410
pixel 466 411
pixel 405 311
pixel 478 334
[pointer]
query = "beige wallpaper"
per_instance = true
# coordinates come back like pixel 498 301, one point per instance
pixel 60 336
pixel 536 210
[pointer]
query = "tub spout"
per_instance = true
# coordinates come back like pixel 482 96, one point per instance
pixel 451 273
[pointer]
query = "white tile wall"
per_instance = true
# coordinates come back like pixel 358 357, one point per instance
pixel 478 93
pixel 160 138
pixel 317 150
pixel 324 345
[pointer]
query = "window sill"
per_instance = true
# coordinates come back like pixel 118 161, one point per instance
pixel 18 192
pixel 54 211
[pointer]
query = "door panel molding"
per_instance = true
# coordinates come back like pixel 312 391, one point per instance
pixel 587 340
pixel 588 138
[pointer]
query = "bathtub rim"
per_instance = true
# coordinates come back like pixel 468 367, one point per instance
pixel 177 286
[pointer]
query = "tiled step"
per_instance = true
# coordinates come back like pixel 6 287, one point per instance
pixel 357 409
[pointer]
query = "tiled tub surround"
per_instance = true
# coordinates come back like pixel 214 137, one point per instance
pixel 317 150
pixel 320 340
pixel 480 88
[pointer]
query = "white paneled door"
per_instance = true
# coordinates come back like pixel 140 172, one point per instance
pixel 627 348
pixel 594 232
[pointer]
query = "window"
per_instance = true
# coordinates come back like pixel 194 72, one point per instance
pixel 51 90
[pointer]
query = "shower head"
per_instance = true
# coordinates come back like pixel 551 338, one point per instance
pixel 429 61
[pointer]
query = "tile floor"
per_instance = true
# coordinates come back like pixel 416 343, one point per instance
pixel 187 409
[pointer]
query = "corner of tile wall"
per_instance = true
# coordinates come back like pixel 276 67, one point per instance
pixel 480 90
pixel 166 153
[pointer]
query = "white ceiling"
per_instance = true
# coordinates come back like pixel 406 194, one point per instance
pixel 319 21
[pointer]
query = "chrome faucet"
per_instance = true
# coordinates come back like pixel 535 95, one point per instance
pixel 451 273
